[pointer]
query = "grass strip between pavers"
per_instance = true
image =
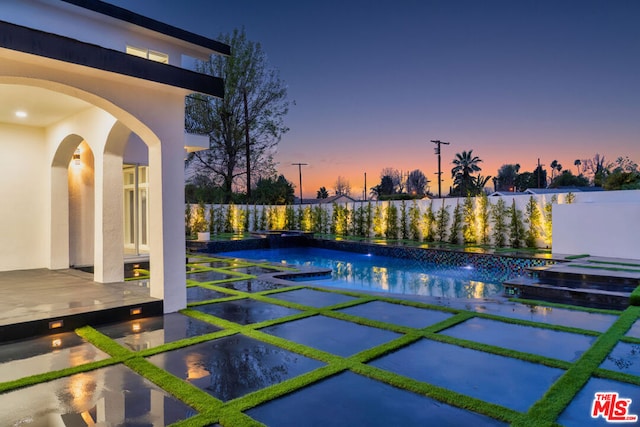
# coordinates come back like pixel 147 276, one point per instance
pixel 104 343
pixel 634 298
pixel 283 388
pixel 440 394
pixel 235 297
pixel 540 325
pixel 199 400
pixel 500 351
pixel 54 375
pixel 182 390
pixel 617 376
pixel 561 393
pixel 175 345
pixel 212 410
pixel 570 257
pixel 630 340
pixel 625 264
pixel 599 267
pixel 430 334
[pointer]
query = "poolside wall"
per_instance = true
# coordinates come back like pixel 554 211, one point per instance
pixel 505 266
pixel 603 229
pixel 499 264
pixel 580 219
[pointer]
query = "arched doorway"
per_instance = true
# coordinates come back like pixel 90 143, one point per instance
pixel 81 182
pixel 106 128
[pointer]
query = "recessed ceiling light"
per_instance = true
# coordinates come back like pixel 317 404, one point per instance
pixel 21 114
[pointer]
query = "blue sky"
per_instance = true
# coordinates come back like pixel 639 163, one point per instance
pixel 374 81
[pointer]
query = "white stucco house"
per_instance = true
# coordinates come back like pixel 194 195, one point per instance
pixel 92 140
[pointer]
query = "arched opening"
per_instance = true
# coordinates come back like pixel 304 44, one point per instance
pixel 108 130
pixel 81 182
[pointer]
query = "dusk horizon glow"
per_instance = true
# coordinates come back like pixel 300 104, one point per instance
pixel 374 83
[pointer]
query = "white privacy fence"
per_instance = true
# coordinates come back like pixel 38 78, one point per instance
pixel 581 222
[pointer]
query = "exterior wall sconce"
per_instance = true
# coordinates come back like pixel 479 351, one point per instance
pixel 76 157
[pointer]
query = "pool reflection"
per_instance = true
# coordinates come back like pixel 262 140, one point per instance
pixel 109 396
pixel 233 366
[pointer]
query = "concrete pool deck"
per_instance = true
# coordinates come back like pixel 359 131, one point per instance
pixel 31 299
pixel 247 352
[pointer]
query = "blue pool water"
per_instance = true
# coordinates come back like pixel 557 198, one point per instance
pixel 386 274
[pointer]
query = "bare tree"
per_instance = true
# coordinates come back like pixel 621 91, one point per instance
pixel 417 183
pixel 255 102
pixel 396 178
pixel 342 187
pixel 595 169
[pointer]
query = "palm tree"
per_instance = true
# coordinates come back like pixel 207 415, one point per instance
pixel 577 164
pixel 553 165
pixel 479 183
pixel 322 193
pixel 465 164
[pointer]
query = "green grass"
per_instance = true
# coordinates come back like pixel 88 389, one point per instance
pixel 571 257
pixel 627 264
pixel 601 267
pixel 634 299
pixel 210 410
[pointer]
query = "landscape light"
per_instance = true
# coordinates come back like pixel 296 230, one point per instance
pixel 55 324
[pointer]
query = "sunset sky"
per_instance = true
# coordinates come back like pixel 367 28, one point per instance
pixel 374 81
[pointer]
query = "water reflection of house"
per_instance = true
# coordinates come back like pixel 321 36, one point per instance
pixel 92 139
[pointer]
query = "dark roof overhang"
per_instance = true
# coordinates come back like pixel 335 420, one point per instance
pixel 151 24
pixel 53 46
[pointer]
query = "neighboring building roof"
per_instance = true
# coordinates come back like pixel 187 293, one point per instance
pixel 151 24
pixel 507 193
pixel 561 190
pixel 541 191
pixel 340 198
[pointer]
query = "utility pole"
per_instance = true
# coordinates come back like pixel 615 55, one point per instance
pixel 365 187
pixel 539 170
pixel 300 172
pixel 438 143
pixel 247 143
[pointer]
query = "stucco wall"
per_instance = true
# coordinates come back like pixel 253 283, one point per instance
pixel 607 229
pixel 605 223
pixel 81 208
pixel 136 152
pixel 23 228
pixel 85 25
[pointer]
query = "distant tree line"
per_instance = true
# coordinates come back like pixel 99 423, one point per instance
pixel 622 174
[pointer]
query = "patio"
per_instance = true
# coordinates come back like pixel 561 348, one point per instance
pixel 248 351
pixel 31 299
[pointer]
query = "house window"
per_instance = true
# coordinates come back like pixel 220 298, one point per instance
pixel 136 209
pixel 148 54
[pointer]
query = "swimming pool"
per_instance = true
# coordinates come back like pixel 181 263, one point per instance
pixel 386 274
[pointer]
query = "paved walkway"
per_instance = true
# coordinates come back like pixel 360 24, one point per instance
pixel 28 296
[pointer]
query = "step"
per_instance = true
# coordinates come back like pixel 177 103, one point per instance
pixel 599 298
